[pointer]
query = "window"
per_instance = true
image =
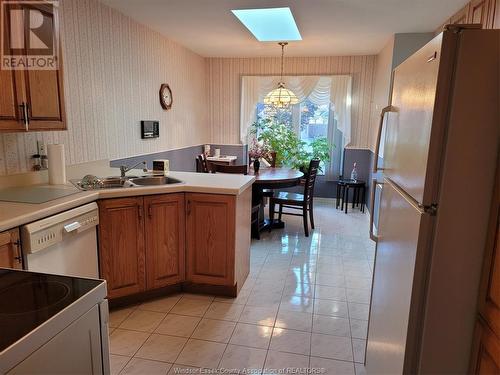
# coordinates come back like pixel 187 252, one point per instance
pixel 310 121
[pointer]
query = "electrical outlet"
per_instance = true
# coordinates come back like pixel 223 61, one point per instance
pixel 42 148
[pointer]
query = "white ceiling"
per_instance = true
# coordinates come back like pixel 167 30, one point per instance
pixel 328 27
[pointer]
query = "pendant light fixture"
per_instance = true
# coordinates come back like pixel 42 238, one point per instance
pixel 281 97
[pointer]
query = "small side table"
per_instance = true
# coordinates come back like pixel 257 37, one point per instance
pixel 359 191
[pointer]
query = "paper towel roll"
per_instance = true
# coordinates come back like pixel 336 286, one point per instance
pixel 57 164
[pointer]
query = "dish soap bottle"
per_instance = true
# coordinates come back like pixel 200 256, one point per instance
pixel 354 173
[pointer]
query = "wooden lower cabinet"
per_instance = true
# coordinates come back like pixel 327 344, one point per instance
pixel 165 239
pixel 121 245
pixel 155 241
pixel 210 238
pixel 10 249
pixel 486 352
pixel 141 243
pixel 485 357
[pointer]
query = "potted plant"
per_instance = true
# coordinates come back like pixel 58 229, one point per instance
pixel 319 148
pixel 256 151
pixel 289 149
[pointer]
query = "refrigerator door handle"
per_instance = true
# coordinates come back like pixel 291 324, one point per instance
pixel 385 110
pixel 373 237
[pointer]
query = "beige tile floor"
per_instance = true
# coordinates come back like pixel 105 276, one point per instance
pixel 304 304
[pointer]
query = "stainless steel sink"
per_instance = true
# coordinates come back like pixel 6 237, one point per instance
pixel 112 182
pixel 93 183
pixel 154 180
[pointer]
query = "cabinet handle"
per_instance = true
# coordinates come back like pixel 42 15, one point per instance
pixel 150 211
pixel 139 212
pixel 27 117
pixel 188 207
pixel 24 113
pixel 19 256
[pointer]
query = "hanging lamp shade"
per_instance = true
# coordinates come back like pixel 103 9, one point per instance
pixel 281 97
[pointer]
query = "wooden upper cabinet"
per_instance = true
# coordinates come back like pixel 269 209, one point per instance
pixel 165 239
pixel 11 95
pixel 121 245
pixel 481 11
pixel 10 249
pixel 11 115
pixel 32 100
pixel 210 237
pixel 495 13
pixel 484 12
pixel 45 100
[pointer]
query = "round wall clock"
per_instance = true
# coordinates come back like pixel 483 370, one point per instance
pixel 166 96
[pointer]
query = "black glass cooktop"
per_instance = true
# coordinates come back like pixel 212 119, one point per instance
pixel 27 299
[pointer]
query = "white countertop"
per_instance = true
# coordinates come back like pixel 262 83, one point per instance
pixel 15 214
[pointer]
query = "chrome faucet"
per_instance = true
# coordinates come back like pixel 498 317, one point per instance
pixel 124 169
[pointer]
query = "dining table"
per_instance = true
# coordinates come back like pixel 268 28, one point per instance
pixel 268 179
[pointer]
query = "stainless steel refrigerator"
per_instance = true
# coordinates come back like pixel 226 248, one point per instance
pixel 440 155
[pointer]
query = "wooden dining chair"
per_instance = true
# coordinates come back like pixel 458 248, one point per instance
pixel 240 169
pixel 296 201
pixel 202 163
pixel 224 168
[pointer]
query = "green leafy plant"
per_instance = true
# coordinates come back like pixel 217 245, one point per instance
pixel 290 150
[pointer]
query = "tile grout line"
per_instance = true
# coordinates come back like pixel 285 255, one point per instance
pixel 189 338
pixel 134 355
pixel 267 262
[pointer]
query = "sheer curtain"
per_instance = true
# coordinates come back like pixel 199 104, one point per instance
pixel 332 90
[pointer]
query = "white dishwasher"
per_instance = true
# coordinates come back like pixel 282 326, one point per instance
pixel 64 244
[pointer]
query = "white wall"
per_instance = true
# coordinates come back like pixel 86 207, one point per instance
pixel 113 69
pixel 406 44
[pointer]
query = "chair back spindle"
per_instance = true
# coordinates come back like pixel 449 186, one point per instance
pixel 311 179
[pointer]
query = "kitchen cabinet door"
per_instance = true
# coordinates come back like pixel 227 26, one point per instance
pixel 480 12
pixel 486 355
pixel 121 245
pixel 12 95
pixel 11 112
pixel 485 358
pixel 34 99
pixel 45 100
pixel 44 89
pixel 495 13
pixel 210 237
pixel 10 249
pixel 165 239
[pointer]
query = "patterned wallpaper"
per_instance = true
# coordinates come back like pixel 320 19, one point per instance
pixel 113 68
pixel 225 80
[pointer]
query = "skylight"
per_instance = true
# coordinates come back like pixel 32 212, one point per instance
pixel 270 24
